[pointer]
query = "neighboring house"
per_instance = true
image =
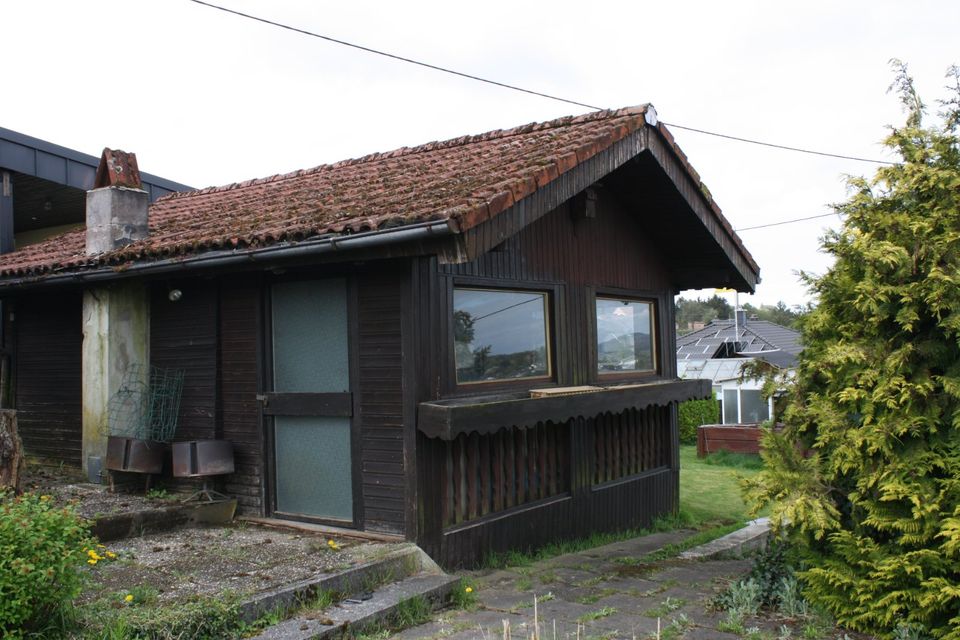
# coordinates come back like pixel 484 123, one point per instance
pixel 718 352
pixel 44 189
pixel 390 342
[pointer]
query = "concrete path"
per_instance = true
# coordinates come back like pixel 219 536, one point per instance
pixel 608 593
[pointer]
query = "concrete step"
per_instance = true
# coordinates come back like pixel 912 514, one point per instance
pixel 337 620
pixel 408 560
pixel 733 545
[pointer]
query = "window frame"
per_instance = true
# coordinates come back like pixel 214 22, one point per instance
pixel 551 295
pixel 621 296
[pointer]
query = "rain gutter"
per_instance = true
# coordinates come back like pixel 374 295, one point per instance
pixel 214 259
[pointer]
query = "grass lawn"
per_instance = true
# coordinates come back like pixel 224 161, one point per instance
pixel 709 490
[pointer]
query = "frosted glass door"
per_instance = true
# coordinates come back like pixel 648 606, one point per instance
pixel 311 377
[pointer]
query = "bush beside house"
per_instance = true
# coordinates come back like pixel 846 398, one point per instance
pixel 42 550
pixel 875 505
pixel 694 413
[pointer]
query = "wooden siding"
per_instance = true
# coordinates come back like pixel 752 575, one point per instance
pixel 239 383
pixel 493 472
pixel 183 336
pixel 582 507
pixel 380 411
pixel 623 467
pixel 49 340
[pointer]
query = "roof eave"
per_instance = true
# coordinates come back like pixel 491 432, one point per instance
pixel 321 246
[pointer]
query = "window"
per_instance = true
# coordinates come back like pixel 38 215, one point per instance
pixel 744 406
pixel 500 335
pixel 625 336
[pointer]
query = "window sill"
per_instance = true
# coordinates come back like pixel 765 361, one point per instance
pixel 447 419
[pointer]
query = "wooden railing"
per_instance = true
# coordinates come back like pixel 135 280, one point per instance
pixel 484 474
pixel 631 442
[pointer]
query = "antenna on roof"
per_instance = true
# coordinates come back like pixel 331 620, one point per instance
pixel 736 316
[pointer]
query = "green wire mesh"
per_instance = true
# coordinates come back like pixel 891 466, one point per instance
pixel 146 410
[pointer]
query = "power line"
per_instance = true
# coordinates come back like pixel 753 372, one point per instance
pixel 777 146
pixel 777 224
pixel 504 85
pixel 493 313
pixel 394 56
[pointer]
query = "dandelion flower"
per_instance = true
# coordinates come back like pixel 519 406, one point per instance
pixel 91 561
pixel 128 597
pixel 333 545
pixel 469 590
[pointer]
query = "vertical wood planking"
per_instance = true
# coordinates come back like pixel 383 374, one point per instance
pixel 49 339
pixel 381 413
pixel 183 337
pixel 239 383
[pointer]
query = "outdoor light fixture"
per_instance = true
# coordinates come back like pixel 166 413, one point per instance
pixel 175 295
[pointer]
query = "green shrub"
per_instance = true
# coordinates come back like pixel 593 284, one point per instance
pixel 694 413
pixel 42 551
pixel 866 475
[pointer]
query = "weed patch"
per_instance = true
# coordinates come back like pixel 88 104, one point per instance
pixel 596 615
pixel 464 596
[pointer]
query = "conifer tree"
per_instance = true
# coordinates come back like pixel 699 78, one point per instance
pixel 865 478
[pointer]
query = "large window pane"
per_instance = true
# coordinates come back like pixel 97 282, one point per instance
pixel 500 335
pixel 624 336
pixel 754 407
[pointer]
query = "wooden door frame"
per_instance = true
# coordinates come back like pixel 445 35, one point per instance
pixel 267 418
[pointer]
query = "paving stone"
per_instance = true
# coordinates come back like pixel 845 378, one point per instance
pixel 598 580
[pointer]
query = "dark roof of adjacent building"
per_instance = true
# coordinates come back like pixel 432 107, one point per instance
pixel 768 341
pixel 41 159
pixel 463 182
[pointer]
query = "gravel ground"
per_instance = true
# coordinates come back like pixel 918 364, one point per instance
pixel 184 563
pixel 239 558
pixel 91 501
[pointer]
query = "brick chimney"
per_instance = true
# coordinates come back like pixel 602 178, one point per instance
pixel 117 204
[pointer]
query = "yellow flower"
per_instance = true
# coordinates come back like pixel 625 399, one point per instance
pixel 91 561
pixel 111 555
pixel 333 545
pixel 128 597
pixel 94 555
pixel 469 589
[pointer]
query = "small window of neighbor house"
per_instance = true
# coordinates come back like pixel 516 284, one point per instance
pixel 625 336
pixel 500 335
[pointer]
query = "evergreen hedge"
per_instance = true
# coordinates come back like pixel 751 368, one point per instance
pixel 694 413
pixel 866 476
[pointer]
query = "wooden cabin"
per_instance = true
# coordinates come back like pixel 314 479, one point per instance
pixel 468 343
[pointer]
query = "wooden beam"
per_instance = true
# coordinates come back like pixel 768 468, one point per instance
pixel 308 404
pixel 6 212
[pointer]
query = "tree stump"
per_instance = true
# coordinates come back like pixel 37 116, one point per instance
pixel 11 452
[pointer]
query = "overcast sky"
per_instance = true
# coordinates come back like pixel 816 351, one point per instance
pixel 207 98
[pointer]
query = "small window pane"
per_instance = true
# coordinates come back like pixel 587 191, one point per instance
pixel 730 406
pixel 499 335
pixel 624 336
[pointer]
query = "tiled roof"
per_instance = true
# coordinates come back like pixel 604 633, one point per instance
pixel 464 181
pixel 756 338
